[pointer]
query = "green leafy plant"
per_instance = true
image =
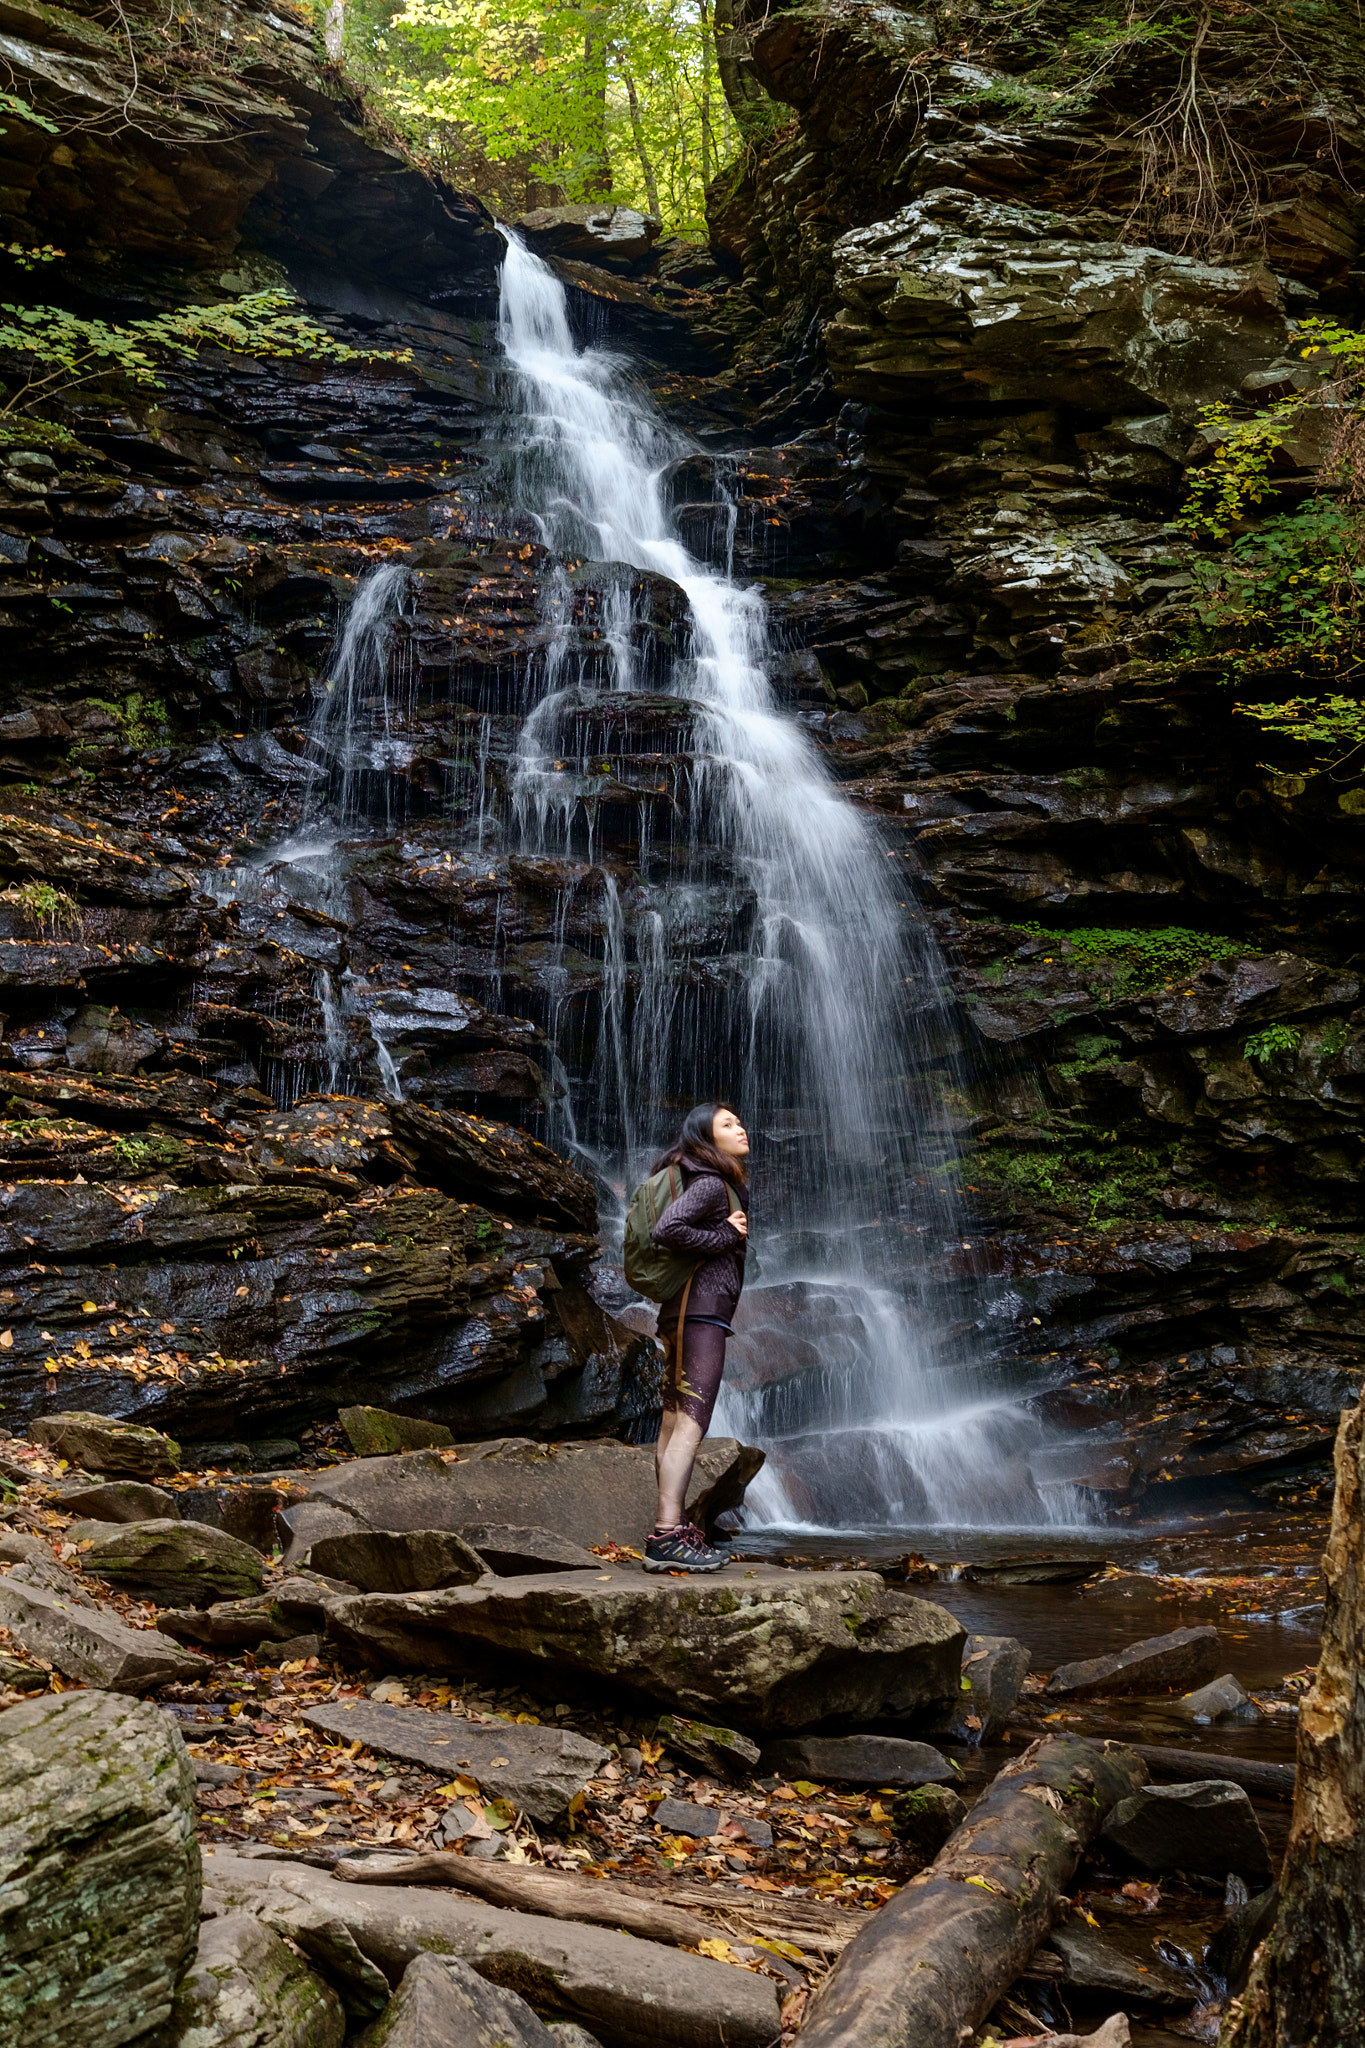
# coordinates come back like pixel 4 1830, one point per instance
pixel 141 720
pixel 40 903
pixel 1139 960
pixel 1265 1047
pixel 62 349
pixel 20 110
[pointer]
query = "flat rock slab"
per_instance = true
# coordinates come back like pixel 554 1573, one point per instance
pixel 768 1649
pixel 511 1553
pixel 397 1561
pixel 88 1642
pixel 100 1869
pixel 176 1562
pixel 628 1993
pixel 859 1760
pixel 98 1444
pixel 1185 1657
pixel 586 1492
pixel 246 1989
pixel 680 1817
pixel 1032 1571
pixel 1209 1827
pixel 1094 1964
pixel 442 2003
pixel 539 1769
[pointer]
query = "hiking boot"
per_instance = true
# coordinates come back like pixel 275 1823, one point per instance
pixel 683 1550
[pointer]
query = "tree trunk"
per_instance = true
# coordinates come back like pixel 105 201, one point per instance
pixel 596 172
pixel 641 147
pixel 927 1968
pixel 334 30
pixel 747 100
pixel 707 153
pixel 526 1888
pixel 1307 1985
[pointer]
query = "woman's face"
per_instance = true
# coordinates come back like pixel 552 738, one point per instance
pixel 729 1136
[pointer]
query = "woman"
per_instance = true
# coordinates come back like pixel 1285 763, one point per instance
pixel 694 1323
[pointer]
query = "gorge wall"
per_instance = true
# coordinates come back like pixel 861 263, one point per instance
pixel 963 307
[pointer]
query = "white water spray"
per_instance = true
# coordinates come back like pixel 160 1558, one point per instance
pixel 837 1374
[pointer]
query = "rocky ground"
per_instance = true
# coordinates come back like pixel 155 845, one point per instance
pixel 355 1696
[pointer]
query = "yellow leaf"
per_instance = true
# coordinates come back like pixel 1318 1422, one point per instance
pixel 804 1787
pixel 458 1788
pixel 985 1884
pixel 878 1811
pixel 719 1951
pixel 88 1308
pixel 649 1750
pixel 780 1948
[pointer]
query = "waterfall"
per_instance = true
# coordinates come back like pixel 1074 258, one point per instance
pixel 825 1021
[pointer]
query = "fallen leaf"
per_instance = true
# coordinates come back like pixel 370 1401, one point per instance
pixel 985 1884
pixel 719 1950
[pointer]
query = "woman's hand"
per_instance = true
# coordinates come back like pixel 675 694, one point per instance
pixel 740 1222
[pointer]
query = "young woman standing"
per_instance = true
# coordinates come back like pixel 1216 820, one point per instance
pixel 703 1223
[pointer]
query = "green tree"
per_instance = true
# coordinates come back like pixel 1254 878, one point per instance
pixel 594 99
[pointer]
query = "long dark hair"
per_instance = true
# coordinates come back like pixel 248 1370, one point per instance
pixel 694 1142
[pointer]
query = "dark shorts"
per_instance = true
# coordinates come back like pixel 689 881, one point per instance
pixel 693 1371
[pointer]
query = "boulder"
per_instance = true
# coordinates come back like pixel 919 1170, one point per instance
pixel 88 1642
pixel 1224 1699
pixel 98 1444
pixel 925 1817
pixel 177 1562
pixel 374 1432
pixel 769 1649
pixel 585 1492
pixel 1157 1664
pixel 121 1500
pixel 615 237
pixel 627 1992
pixel 511 1552
pixel 716 1749
pixel 100 1867
pixel 291 1607
pixel 540 1770
pixel 1209 1827
pixel 244 1511
pixel 246 1989
pixel 859 1760
pixel 995 1668
pixel 442 2003
pixel 1094 1963
pixel 396 1561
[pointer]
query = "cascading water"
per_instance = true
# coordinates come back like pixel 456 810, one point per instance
pixel 823 1021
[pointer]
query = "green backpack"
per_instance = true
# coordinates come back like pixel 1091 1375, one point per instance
pixel 651 1270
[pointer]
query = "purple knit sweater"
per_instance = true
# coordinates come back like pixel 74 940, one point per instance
pixel 697 1225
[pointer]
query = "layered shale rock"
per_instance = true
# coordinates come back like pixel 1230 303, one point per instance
pixel 98 1843
pixel 775 1650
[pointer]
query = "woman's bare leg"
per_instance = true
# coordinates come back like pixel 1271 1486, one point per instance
pixel 674 1456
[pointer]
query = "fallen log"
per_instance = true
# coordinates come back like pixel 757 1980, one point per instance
pixel 627 1993
pixel 1192 1766
pixel 530 1889
pixel 930 1965
pixel 527 1889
